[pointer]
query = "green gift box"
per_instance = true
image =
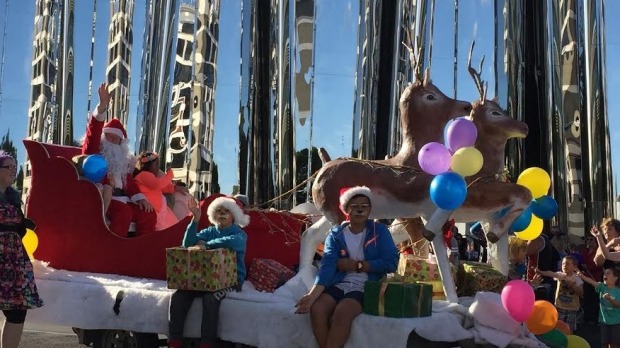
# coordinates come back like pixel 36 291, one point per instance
pixel 398 300
pixel 202 270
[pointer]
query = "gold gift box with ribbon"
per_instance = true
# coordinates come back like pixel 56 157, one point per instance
pixel 398 300
pixel 203 270
pixel 413 268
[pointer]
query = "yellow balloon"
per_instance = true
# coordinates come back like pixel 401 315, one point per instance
pixel 533 230
pixel 31 242
pixel 467 161
pixel 577 342
pixel 535 179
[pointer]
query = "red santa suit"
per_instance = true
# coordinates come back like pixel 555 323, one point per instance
pixel 122 210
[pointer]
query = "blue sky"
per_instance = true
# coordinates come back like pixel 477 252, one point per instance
pixel 334 69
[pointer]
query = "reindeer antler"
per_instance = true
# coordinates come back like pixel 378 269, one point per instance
pixel 481 86
pixel 413 58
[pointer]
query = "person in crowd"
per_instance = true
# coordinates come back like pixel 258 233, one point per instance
pixel 110 140
pixel 611 232
pixel 568 291
pixel 356 251
pixel 546 259
pixel 18 291
pixel 559 240
pixel 245 200
pixel 228 219
pixel 517 252
pixel 609 309
pixel 154 184
pixel 590 297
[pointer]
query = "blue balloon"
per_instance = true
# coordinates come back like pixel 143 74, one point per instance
pixel 523 221
pixel 544 207
pixel 95 168
pixel 448 190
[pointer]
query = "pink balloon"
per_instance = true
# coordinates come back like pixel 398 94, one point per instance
pixel 518 299
pixel 461 133
pixel 434 158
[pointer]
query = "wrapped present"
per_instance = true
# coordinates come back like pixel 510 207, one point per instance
pixel 438 293
pixel 268 275
pixel 203 270
pixel 476 276
pixel 398 300
pixel 412 269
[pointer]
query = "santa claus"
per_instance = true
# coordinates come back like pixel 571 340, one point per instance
pixel 110 140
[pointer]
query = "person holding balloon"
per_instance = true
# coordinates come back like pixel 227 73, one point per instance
pixel 609 308
pixel 18 291
pixel 107 145
pixel 568 292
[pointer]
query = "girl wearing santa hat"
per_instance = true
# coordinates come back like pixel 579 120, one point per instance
pixel 358 250
pixel 227 218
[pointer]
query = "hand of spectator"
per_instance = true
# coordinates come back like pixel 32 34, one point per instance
pixel 536 280
pixel 595 232
pixel 346 265
pixel 145 205
pixel 304 304
pixel 193 207
pixel 197 247
pixel 104 97
pixel 607 296
pixel 615 241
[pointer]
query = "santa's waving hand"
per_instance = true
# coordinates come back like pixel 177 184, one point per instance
pixel 110 140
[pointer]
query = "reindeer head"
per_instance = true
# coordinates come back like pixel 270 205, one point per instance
pixel 422 105
pixel 490 119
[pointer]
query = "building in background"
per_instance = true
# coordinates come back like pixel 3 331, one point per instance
pixel 120 45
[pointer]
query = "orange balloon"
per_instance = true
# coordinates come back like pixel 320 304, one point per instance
pixel 564 328
pixel 544 318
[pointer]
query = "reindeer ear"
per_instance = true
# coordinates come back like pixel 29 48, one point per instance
pixel 495 99
pixel 427 76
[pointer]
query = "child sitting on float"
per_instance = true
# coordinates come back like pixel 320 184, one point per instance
pixel 227 219
pixel 355 251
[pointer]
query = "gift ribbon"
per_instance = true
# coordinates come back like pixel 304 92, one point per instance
pixel 381 310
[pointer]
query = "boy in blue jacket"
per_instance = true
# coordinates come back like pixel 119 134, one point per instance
pixel 227 219
pixel 355 251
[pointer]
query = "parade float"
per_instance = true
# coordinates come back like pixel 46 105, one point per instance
pixel 112 288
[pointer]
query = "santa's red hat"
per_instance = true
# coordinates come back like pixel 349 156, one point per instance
pixel 114 126
pixel 347 193
pixel 239 216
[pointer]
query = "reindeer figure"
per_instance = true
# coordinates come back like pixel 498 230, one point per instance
pixel 399 186
pixel 488 193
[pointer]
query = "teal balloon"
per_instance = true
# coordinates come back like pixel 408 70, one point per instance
pixel 95 168
pixel 554 339
pixel 448 191
pixel 522 221
pixel 544 207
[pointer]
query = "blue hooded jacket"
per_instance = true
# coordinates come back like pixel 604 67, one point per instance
pixel 379 251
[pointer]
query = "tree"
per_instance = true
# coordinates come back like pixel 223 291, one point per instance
pixel 6 144
pixel 301 163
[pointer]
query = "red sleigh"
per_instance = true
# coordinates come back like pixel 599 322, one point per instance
pixel 73 235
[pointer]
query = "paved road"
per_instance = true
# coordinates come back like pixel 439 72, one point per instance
pixel 38 336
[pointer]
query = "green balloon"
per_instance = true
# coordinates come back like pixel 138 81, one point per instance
pixel 554 339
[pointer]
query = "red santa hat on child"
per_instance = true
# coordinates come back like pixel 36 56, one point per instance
pixel 347 193
pixel 114 126
pixel 239 217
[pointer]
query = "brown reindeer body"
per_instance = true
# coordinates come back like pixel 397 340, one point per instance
pixel 400 186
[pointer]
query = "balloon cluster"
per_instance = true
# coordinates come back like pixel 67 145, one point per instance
pixel 540 317
pixel 31 242
pixel 95 168
pixel 451 162
pixel 529 224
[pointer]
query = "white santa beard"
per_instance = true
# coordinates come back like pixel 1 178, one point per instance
pixel 118 159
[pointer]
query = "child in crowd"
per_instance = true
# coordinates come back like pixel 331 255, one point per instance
pixel 568 291
pixel 228 219
pixel 517 249
pixel 609 314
